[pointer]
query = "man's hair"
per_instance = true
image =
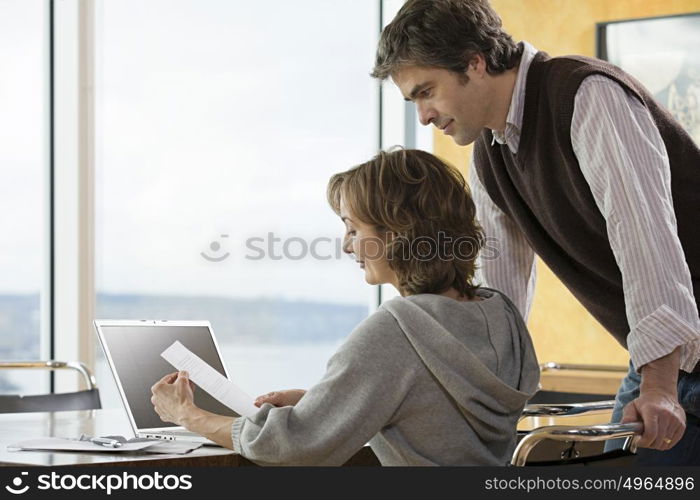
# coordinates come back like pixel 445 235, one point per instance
pixel 445 34
pixel 422 208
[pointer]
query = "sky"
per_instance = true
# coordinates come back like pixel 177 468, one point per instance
pixel 22 144
pixel 214 117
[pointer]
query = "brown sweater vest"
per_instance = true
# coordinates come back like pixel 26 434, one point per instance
pixel 543 190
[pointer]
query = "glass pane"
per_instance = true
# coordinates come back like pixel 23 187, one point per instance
pixel 23 123
pixel 219 124
pixel 662 53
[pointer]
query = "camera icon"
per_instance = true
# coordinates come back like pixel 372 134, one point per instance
pixel 17 483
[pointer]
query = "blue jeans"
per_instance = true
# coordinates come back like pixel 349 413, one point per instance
pixel 687 451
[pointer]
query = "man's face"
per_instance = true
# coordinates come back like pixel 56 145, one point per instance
pixel 458 109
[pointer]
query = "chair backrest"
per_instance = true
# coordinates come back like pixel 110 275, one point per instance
pixel 559 397
pixel 88 399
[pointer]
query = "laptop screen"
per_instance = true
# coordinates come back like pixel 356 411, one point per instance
pixel 135 353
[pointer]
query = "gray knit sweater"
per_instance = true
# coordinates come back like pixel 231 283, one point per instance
pixel 426 380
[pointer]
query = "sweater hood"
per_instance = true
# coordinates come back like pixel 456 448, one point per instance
pixel 482 355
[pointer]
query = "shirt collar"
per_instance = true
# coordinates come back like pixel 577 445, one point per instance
pixel 514 120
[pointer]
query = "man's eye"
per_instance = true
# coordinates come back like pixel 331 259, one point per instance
pixel 425 94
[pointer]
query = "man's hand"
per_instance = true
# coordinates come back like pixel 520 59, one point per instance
pixel 173 397
pixel 657 405
pixel 289 397
pixel 663 418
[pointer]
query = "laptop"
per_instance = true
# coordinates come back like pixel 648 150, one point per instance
pixel 133 349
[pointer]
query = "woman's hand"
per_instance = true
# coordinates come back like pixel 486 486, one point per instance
pixel 173 397
pixel 290 397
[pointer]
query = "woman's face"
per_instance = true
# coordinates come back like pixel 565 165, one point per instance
pixel 369 248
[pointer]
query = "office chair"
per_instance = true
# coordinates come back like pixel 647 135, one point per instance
pixel 583 444
pixel 88 399
pixel 574 444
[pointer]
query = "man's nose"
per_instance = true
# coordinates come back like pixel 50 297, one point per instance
pixel 426 114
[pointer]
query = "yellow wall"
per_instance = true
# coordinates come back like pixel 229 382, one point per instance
pixel 561 329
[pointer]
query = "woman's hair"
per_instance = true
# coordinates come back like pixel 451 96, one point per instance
pixel 445 34
pixel 425 208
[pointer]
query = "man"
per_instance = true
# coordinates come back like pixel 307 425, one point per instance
pixel 575 161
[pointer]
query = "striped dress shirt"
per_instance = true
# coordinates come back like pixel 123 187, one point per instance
pixel 624 161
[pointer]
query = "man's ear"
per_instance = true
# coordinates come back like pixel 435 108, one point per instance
pixel 476 65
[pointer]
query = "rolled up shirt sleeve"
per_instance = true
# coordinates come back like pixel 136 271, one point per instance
pixel 624 160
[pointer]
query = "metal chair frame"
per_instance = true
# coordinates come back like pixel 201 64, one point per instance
pixel 79 400
pixel 569 433
pixel 78 366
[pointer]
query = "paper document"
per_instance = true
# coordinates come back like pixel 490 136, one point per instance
pixel 173 447
pixel 64 444
pixel 137 444
pixel 221 388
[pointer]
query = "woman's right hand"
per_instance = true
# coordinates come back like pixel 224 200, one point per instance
pixel 290 397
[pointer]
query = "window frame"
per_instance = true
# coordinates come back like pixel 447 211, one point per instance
pixel 71 166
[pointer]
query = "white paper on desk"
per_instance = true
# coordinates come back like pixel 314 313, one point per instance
pixel 172 447
pixel 221 388
pixel 63 444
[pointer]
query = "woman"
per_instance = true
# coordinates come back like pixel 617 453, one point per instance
pixel 438 376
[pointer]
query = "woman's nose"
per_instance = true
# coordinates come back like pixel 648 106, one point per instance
pixel 347 245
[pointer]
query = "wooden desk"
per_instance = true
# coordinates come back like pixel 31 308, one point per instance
pixel 584 382
pixel 15 427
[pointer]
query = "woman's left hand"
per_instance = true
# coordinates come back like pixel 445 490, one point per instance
pixel 173 397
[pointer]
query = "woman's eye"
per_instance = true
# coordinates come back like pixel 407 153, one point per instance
pixel 351 233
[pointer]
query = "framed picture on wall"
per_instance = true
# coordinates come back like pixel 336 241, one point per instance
pixel 664 54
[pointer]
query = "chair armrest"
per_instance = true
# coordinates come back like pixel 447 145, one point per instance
pixel 565 410
pixel 80 367
pixel 574 433
pixel 552 365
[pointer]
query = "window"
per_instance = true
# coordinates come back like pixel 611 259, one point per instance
pixel 23 200
pixel 218 126
pixel 23 197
